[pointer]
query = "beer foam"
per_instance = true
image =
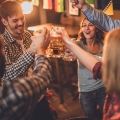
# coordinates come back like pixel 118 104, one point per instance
pixel 55 35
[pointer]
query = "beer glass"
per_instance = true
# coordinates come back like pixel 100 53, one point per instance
pixel 56 46
pixel 68 55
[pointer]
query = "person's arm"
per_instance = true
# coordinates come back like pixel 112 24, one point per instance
pixel 18 98
pixel 18 68
pixel 21 96
pixel 85 58
pixel 98 18
pixel 23 63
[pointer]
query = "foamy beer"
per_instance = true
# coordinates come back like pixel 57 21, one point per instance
pixel 56 46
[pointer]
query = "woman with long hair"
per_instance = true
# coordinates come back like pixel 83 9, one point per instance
pixel 108 69
pixel 91 92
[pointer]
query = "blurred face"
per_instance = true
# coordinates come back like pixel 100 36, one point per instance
pixel 15 24
pixel 88 29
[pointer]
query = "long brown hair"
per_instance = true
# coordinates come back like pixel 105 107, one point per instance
pixel 111 62
pixel 2 58
pixel 99 35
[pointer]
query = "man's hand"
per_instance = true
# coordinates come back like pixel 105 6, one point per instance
pixel 41 42
pixel 64 36
pixel 79 4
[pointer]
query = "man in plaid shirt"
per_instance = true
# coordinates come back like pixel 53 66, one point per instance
pixel 16 41
pixel 18 98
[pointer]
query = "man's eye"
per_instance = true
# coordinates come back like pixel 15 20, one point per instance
pixel 15 21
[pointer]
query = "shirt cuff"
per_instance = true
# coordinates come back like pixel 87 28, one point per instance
pixel 41 57
pixel 28 56
pixel 97 71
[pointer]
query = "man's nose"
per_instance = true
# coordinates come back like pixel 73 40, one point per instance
pixel 20 22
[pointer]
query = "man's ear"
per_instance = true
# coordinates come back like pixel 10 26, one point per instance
pixel 4 21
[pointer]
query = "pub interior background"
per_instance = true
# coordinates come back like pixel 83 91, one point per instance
pixel 64 87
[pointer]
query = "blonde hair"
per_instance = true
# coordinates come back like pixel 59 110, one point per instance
pixel 111 62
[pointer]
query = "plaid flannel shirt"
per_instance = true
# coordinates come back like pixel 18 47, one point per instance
pixel 111 110
pixel 97 71
pixel 18 98
pixel 13 51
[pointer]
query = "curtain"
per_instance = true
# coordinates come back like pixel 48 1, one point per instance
pixel 59 5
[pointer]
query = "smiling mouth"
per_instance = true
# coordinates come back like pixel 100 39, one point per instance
pixel 20 28
pixel 87 33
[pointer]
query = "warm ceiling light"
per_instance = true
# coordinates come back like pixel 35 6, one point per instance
pixel 27 7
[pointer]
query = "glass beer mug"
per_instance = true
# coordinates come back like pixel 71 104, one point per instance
pixel 56 46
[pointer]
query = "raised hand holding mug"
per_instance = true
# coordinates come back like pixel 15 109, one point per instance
pixel 56 46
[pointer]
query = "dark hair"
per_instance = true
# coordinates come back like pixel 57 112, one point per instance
pixel 99 35
pixel 9 8
pixel 2 59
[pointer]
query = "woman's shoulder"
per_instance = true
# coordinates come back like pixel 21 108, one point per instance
pixel 80 43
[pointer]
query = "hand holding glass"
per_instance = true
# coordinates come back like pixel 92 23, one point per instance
pixel 56 46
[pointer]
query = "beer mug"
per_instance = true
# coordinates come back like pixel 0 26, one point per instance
pixel 56 46
pixel 68 55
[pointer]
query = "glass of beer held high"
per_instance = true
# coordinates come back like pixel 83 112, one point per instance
pixel 56 46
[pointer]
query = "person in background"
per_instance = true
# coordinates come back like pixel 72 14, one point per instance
pixel 108 69
pixel 18 98
pixel 91 92
pixel 98 18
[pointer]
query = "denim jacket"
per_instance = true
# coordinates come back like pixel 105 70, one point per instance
pixel 100 19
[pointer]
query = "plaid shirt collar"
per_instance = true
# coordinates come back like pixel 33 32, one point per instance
pixel 9 36
pixel 111 109
pixel 12 49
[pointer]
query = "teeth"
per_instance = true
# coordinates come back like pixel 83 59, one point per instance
pixel 87 32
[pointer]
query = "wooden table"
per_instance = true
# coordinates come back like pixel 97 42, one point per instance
pixel 71 30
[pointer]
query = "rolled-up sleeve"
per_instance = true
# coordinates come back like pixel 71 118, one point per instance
pixel 100 19
pixel 97 74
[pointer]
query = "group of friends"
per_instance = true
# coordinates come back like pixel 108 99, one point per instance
pixel 26 72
